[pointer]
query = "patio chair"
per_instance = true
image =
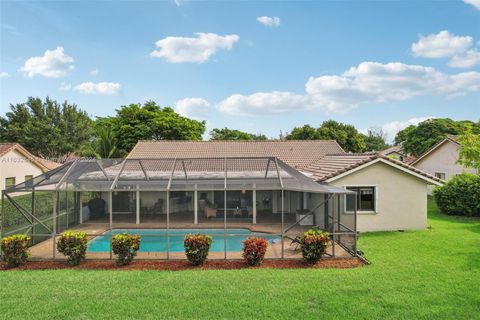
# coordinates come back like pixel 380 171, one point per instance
pixel 210 212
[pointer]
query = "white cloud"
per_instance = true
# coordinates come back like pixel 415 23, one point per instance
pixel 369 82
pixel 3 75
pixel 269 21
pixel 465 60
pixel 447 45
pixel 475 3
pixel 196 108
pixel 104 88
pixel 94 72
pixel 263 102
pixel 65 86
pixel 53 64
pixel 189 49
pixel 391 129
pixel 441 45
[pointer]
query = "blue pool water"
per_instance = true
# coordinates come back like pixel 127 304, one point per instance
pixel 155 240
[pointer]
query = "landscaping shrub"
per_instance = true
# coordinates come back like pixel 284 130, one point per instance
pixel 313 244
pixel 15 249
pixel 460 195
pixel 73 245
pixel 125 246
pixel 254 249
pixel 197 247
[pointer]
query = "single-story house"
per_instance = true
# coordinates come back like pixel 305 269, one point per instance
pixel 391 195
pixel 441 160
pixel 18 165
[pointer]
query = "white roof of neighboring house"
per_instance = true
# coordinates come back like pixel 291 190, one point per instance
pixel 43 164
pixel 448 139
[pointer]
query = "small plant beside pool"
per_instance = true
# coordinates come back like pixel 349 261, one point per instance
pixel 15 250
pixel 73 245
pixel 197 247
pixel 254 249
pixel 313 244
pixel 125 246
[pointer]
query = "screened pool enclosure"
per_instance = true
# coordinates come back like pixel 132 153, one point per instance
pixel 163 199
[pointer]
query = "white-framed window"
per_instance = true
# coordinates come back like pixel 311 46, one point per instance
pixel 440 175
pixel 366 199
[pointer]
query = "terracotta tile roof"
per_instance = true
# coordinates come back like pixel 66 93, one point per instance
pixel 44 164
pixel 296 154
pixel 6 148
pixel 332 165
pixel 397 149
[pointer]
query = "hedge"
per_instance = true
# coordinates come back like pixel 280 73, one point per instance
pixel 460 195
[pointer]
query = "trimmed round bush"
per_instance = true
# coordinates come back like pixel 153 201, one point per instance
pixel 197 247
pixel 254 249
pixel 125 246
pixel 460 195
pixel 15 250
pixel 314 244
pixel 73 245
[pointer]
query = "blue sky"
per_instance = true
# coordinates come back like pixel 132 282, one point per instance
pixel 372 64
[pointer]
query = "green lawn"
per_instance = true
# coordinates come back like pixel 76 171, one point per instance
pixel 431 274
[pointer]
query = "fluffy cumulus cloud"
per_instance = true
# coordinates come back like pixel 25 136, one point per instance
pixel 193 49
pixel 441 45
pixel 269 21
pixel 263 103
pixel 53 64
pixel 102 88
pixel 475 3
pixel 3 75
pixel 447 45
pixel 369 82
pixel 391 129
pixel 196 108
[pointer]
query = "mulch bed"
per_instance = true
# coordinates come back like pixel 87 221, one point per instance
pixel 179 265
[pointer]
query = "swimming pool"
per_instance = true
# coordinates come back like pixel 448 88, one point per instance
pixel 155 240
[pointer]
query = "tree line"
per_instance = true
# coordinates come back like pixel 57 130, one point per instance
pixel 55 130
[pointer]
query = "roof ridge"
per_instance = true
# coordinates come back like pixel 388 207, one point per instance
pixel 217 141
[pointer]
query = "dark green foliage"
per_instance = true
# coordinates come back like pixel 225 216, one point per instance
pixel 150 122
pixel 375 140
pixel 197 247
pixel 73 245
pixel 15 250
pixel 254 249
pixel 419 139
pixel 125 246
pixel 346 135
pixel 469 155
pixel 46 128
pixel 313 244
pixel 103 145
pixel 460 195
pixel 230 134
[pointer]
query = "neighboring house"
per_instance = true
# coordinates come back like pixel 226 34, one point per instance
pixel 391 195
pixel 395 152
pixel 441 160
pixel 18 165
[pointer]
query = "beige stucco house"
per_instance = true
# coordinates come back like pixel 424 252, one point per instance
pixel 441 160
pixel 391 195
pixel 18 165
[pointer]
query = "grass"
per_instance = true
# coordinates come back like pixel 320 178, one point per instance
pixel 431 274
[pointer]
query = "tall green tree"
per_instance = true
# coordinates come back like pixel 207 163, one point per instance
pixel 150 122
pixel 45 127
pixel 375 140
pixel 417 139
pixel 103 145
pixel 469 155
pixel 231 134
pixel 346 135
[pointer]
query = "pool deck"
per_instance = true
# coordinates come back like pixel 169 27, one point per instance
pixel 45 251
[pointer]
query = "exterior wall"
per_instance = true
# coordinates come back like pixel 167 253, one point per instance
pixel 14 164
pixel 443 159
pixel 401 199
